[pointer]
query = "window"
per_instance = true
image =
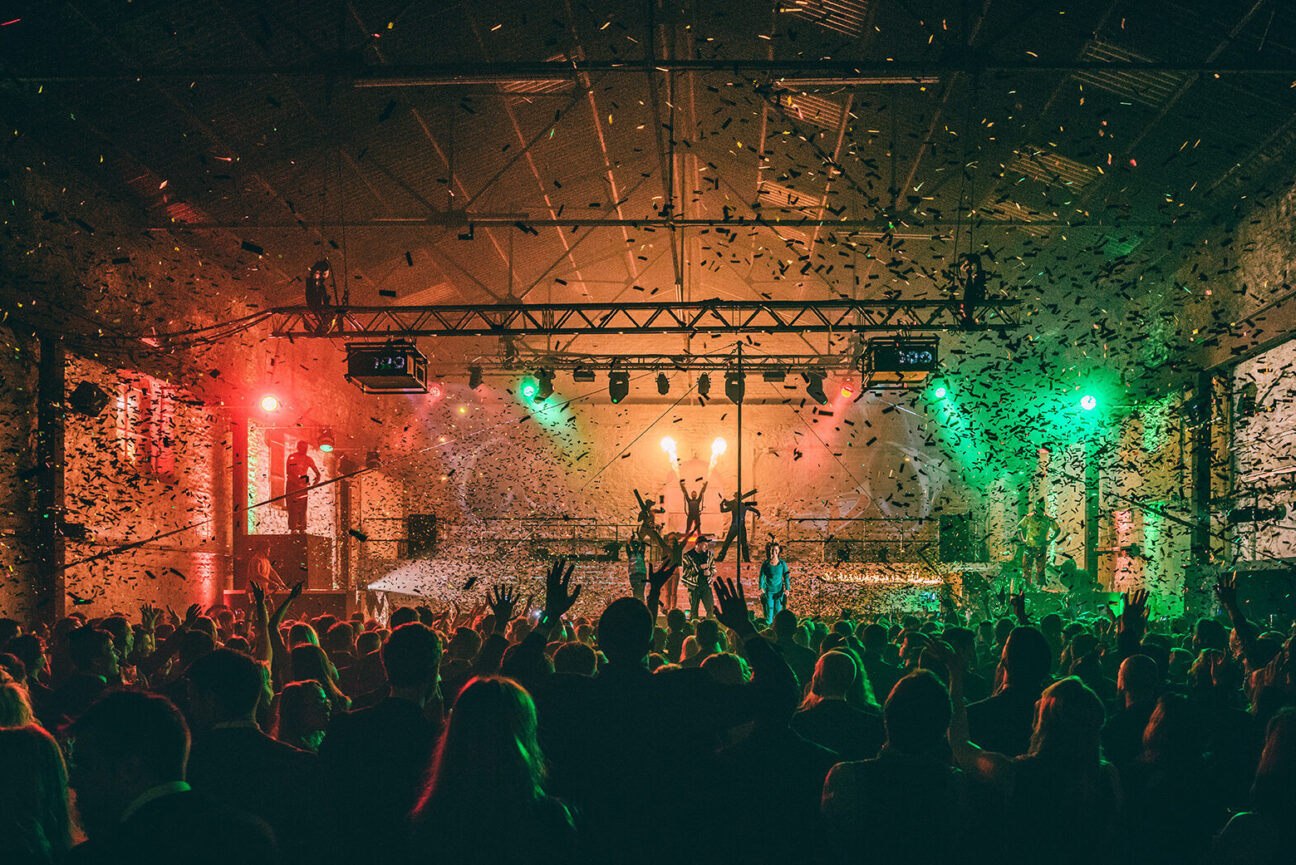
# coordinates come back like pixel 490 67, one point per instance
pixel 146 425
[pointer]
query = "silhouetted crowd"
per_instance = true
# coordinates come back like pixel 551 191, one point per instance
pixel 503 735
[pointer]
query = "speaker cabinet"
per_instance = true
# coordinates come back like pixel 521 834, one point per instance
pixel 958 541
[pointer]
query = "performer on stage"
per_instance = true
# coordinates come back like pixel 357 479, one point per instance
pixel 774 582
pixel 739 509
pixel 262 573
pixel 672 551
pixel 1036 532
pixel 649 531
pixel 692 509
pixel 699 571
pixel 637 554
pixel 296 479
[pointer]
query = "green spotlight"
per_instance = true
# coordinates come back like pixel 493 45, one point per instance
pixel 530 387
pixel 939 393
pixel 1088 402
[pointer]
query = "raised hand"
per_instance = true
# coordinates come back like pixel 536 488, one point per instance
pixel 296 590
pixel 258 594
pixel 1134 616
pixel 149 616
pixel 1226 591
pixel 731 607
pixel 191 615
pixel 1018 600
pixel 658 577
pixel 559 596
pixel 503 600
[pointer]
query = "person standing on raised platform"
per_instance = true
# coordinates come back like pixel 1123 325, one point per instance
pixel 297 480
pixel 699 571
pixel 774 582
pixel 692 509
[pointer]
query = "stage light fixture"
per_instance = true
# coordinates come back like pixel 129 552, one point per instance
pixel 583 373
pixel 434 391
pixel 529 388
pixel 668 444
pixel 704 386
pixel 663 384
pixel 326 440
pixel 719 446
pixel 269 402
pixel 474 377
pixel 735 386
pixel 939 393
pixel 1088 402
pixel 618 385
pixel 814 380
pixel 544 385
pixel 847 391
pixel 88 399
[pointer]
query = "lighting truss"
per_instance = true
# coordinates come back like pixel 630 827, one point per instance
pixel 646 318
pixel 753 363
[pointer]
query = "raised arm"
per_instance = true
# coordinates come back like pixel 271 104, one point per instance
pixel 262 649
pixel 1226 592
pixel 1131 624
pixel 560 596
pixel 278 651
pixel 988 765
pixel 657 578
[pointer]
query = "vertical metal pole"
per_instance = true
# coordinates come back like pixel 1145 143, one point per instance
pixel 1092 494
pixel 51 586
pixel 740 510
pixel 1200 418
pixel 239 498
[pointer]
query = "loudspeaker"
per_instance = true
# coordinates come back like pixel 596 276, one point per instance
pixel 958 542
pixel 87 399
pixel 420 535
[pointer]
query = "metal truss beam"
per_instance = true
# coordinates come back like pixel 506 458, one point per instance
pixel 581 319
pixel 754 364
pixel 524 222
pixel 851 72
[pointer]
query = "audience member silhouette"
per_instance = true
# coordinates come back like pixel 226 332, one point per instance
pixel 488 773
pixel 302 715
pixel 384 750
pixel 234 763
pixel 35 822
pixel 907 804
pixel 828 719
pixel 129 752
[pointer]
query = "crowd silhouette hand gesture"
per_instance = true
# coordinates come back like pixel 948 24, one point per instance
pixel 502 601
pixel 731 607
pixel 1018 600
pixel 1226 591
pixel 149 616
pixel 559 595
pixel 1134 616
pixel 658 577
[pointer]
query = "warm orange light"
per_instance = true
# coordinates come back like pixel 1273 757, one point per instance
pixel 269 402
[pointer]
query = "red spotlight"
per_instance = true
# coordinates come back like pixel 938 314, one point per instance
pixel 269 402
pixel 434 391
pixel 847 392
